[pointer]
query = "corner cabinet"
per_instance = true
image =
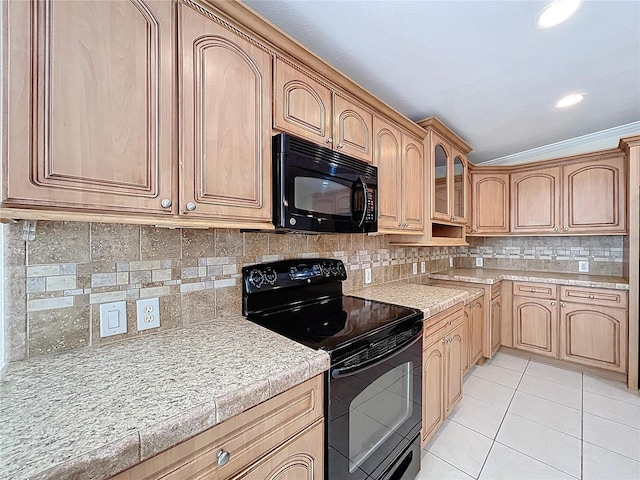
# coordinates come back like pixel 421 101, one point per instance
pixel 308 107
pixel 226 115
pixel 91 115
pixel 576 196
pixel 279 439
pixel 490 202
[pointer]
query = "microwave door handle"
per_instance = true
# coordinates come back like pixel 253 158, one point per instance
pixel 364 201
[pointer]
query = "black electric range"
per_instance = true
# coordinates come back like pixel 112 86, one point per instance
pixel 373 405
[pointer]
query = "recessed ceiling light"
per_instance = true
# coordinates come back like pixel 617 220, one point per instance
pixel 569 100
pixel 557 12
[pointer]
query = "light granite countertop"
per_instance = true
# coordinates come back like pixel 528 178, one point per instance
pixel 91 413
pixel 431 300
pixel 491 276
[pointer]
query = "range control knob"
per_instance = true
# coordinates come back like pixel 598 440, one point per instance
pixel 256 278
pixel 333 269
pixel 326 268
pixel 341 269
pixel 270 276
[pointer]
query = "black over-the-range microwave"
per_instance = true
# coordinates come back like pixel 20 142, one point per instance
pixel 316 189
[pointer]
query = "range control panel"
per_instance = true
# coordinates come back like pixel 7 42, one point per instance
pixel 292 273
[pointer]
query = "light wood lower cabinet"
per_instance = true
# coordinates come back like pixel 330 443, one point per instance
pixel 476 320
pixel 443 362
pixel 282 438
pixel 496 319
pixel 535 325
pixel 594 335
pixel 591 329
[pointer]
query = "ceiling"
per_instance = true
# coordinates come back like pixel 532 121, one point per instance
pixel 482 67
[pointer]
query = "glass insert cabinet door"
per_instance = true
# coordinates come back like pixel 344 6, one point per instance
pixel 458 187
pixel 441 183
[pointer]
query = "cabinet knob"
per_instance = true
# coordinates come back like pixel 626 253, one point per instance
pixel 223 457
pixel 555 229
pixel 566 229
pixel 329 140
pixel 563 304
pixel 191 206
pixel 533 290
pixel 591 296
pixel 340 145
pixel 553 304
pixel 166 203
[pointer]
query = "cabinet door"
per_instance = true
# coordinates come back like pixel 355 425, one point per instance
pixel 595 196
pixel 496 318
pixel 226 142
pixel 476 310
pixel 455 358
pixel 490 201
pixel 535 323
pixel 301 105
pixel 594 335
pixel 413 183
pixel 432 387
pixel 469 210
pixel 387 156
pixel 467 335
pixel 459 190
pixel 352 129
pixel 91 111
pixel 535 201
pixel 301 458
pixel 440 173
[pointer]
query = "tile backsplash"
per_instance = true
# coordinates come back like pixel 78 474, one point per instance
pixel 54 284
pixel 554 254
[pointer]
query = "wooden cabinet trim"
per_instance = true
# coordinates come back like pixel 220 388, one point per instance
pixel 594 296
pixel 535 290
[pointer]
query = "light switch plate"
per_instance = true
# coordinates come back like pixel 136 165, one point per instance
pixel 113 318
pixel 415 268
pixel 367 275
pixel 450 262
pixel 479 261
pixel 423 267
pixel 148 313
pixel 583 266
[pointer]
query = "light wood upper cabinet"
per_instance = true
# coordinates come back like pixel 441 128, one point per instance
pixel 91 111
pixel 490 200
pixel 400 163
pixel 226 112
pixel 413 180
pixel 594 196
pixel 310 109
pixel 535 201
pixel 449 188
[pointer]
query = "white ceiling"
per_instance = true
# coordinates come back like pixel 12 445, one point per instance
pixel 481 67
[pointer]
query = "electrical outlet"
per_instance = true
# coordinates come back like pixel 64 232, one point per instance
pixel 367 275
pixel 113 318
pixel 415 268
pixel 423 267
pixel 148 313
pixel 479 261
pixel 583 266
pixel 450 262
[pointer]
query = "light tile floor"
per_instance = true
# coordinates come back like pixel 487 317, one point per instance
pixel 520 420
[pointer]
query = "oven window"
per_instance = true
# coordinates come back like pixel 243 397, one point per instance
pixel 378 411
pixel 322 196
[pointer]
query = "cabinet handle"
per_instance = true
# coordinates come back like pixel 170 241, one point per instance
pixel 223 457
pixel 329 140
pixel 563 304
pixel 166 203
pixel 553 304
pixel 191 206
pixel 340 145
pixel 591 296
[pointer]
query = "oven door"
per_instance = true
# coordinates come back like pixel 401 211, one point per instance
pixel 374 410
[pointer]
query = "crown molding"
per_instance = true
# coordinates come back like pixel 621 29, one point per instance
pixel 602 140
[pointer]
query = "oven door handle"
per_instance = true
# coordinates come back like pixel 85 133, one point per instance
pixel 383 357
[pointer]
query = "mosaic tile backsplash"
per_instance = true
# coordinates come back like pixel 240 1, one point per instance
pixel 553 254
pixel 54 284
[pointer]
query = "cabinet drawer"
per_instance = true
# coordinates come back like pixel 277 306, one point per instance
pixel 247 437
pixel 496 289
pixel 448 319
pixel 535 290
pixel 594 296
